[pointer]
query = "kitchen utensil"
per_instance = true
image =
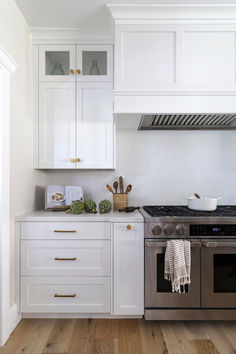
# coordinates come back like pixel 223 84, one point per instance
pixel 128 188
pixel 204 203
pixel 110 189
pixel 121 180
pixel 197 195
pixel 128 209
pixel 115 185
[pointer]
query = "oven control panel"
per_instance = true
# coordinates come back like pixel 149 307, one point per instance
pixel 212 230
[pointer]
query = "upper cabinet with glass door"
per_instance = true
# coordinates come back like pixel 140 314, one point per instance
pixel 94 62
pixel 57 63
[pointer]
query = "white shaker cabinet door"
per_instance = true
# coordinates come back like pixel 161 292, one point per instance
pixel 56 125
pixel 128 269
pixel 94 126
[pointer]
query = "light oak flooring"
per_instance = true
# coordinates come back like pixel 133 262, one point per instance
pixel 120 336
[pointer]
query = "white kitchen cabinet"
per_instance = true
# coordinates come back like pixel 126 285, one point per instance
pixel 63 258
pixel 56 125
pixel 94 126
pixel 128 269
pixel 94 62
pixel 65 294
pixel 74 119
pixel 63 62
pixel 174 57
pixel 57 62
pixel 75 132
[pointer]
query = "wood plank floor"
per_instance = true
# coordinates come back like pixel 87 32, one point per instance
pixel 120 336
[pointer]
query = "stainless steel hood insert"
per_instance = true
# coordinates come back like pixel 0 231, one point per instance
pixel 188 121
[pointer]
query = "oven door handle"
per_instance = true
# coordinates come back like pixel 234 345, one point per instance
pixel 209 244
pixel 151 244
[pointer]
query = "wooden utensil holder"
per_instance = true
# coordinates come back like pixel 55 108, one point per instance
pixel 120 201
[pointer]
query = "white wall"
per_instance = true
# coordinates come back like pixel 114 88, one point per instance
pixel 15 38
pixel 165 167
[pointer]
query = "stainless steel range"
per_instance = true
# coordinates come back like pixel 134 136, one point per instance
pixel 212 292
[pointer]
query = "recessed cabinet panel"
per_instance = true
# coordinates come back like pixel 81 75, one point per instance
pixel 209 58
pixel 94 126
pixel 94 63
pixel 147 60
pixel 56 124
pixel 128 268
pixel 56 63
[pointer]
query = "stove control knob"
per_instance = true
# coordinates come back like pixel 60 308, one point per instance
pixel 181 229
pixel 157 230
pixel 168 229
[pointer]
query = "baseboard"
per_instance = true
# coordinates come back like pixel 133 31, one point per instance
pixel 74 315
pixel 14 318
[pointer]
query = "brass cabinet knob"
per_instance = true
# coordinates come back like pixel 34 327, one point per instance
pixel 72 160
pixel 78 160
pixel 128 227
pixel 78 71
pixel 72 71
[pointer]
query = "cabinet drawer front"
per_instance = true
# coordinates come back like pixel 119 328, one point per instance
pixel 71 294
pixel 65 230
pixel 65 258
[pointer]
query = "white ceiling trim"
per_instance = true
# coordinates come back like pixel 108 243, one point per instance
pixel 45 35
pixel 6 61
pixel 173 12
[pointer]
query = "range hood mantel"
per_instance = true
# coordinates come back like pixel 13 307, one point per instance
pixel 175 60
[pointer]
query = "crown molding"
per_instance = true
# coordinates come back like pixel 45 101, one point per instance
pixel 49 35
pixel 6 61
pixel 173 12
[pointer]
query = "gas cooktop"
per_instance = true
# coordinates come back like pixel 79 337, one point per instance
pixel 184 211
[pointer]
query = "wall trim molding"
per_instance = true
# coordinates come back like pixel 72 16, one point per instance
pixel 173 12
pixel 7 61
pixel 46 35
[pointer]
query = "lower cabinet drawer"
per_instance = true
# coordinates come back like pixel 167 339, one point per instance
pixel 70 294
pixel 65 258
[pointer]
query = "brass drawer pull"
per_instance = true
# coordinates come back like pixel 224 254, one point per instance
pixel 64 230
pixel 69 295
pixel 65 259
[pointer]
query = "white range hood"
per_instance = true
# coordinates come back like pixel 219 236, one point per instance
pixel 175 66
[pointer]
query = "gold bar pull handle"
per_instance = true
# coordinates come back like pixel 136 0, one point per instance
pixel 65 259
pixel 66 295
pixel 65 231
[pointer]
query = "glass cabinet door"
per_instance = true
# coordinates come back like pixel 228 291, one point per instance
pixel 57 63
pixel 94 63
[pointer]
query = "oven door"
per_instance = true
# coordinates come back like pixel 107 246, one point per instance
pixel 218 267
pixel 158 291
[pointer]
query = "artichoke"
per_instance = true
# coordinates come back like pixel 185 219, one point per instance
pixel 76 207
pixel 105 206
pixel 90 206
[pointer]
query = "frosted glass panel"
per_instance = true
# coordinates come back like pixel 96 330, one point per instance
pixel 94 63
pixel 57 63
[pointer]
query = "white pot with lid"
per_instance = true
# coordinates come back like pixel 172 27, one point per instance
pixel 202 203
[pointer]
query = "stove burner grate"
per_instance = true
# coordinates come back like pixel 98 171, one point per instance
pixel 183 211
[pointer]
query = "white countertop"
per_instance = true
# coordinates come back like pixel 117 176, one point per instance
pixel 48 215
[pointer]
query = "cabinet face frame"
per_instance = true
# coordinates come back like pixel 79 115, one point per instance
pixel 95 48
pixel 56 48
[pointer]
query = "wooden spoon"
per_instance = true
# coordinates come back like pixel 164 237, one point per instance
pixel 115 185
pixel 128 188
pixel 197 195
pixel 110 189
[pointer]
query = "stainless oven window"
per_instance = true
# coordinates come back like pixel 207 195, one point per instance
pixel 224 273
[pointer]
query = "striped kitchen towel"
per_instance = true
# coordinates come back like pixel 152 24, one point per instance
pixel 178 264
